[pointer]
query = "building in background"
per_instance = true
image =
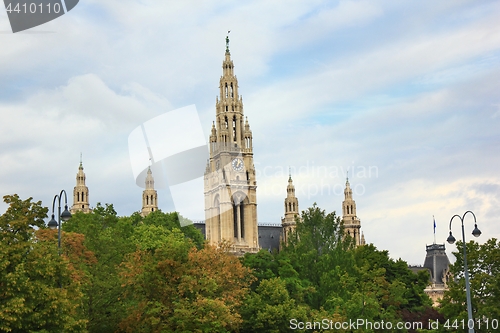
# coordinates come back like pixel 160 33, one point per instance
pixel 80 193
pixel 149 195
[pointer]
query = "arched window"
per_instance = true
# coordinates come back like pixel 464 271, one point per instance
pixel 234 128
pixel 77 196
pixel 242 219
pixel 226 91
pixel 232 94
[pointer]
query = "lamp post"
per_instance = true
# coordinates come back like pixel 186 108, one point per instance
pixel 476 233
pixel 66 215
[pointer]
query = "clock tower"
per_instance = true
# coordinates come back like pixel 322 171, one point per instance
pixel 229 183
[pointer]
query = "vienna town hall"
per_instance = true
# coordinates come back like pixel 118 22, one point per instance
pixel 230 190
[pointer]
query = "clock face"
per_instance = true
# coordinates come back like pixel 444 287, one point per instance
pixel 237 164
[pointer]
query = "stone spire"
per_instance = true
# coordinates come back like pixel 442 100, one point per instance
pixel 149 195
pixel 80 192
pixel 352 224
pixel 230 185
pixel 291 210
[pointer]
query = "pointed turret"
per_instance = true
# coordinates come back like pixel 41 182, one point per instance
pixel 80 192
pixel 352 224
pixel 149 195
pixel 291 210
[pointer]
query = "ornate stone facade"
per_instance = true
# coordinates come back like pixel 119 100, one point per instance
pixel 230 186
pixel 149 195
pixel 292 212
pixel 80 193
pixel 352 224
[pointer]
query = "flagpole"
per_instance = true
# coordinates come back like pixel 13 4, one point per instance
pixel 434 228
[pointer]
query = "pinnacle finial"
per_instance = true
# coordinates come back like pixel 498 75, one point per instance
pixel 81 161
pixel 347 178
pixel 227 41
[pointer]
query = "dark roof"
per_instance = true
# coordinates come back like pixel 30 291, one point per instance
pixel 200 225
pixel 269 234
pixel 437 262
pixel 269 237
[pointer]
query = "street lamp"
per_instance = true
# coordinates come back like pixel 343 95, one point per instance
pixel 476 233
pixel 66 215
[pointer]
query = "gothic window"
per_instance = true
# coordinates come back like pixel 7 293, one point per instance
pixel 352 211
pixel 242 219
pixel 83 206
pixel 147 200
pixel 226 122
pixel 348 210
pixel 235 220
pixel 77 196
pixel 289 206
pixel 294 206
pixel 234 128
pixel 232 94
pixel 83 197
pixel 226 90
pixel 226 108
pixel 217 216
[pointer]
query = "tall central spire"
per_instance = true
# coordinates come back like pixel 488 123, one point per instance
pixel 230 184
pixel 231 129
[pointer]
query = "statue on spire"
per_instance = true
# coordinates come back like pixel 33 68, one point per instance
pixel 227 41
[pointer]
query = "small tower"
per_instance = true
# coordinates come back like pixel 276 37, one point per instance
pixel 149 195
pixel 288 223
pixel 352 224
pixel 80 193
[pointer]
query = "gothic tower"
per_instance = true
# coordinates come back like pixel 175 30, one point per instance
pixel 80 193
pixel 288 223
pixel 352 224
pixel 229 183
pixel 149 195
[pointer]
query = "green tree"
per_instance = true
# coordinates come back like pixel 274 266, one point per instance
pixel 108 237
pixel 320 255
pixel 483 262
pixel 173 286
pixel 37 293
pixel 171 221
pixel 270 308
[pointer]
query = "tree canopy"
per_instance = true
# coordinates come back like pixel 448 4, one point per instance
pixel 149 274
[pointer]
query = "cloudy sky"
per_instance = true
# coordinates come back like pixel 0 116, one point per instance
pixel 403 95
